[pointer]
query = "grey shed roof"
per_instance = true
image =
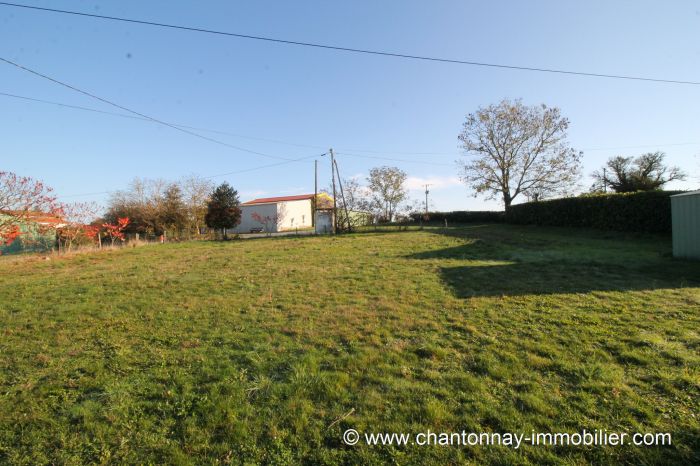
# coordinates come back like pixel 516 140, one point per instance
pixel 689 193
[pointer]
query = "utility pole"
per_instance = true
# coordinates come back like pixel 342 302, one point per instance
pixel 335 217
pixel 313 213
pixel 605 181
pixel 342 194
pixel 426 198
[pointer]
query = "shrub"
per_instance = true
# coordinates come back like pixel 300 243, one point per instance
pixel 461 216
pixel 648 212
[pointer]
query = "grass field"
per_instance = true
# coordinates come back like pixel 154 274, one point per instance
pixel 267 350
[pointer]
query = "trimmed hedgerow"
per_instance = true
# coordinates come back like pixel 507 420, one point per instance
pixel 462 216
pixel 648 212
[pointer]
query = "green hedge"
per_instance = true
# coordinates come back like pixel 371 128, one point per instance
pixel 462 216
pixel 639 212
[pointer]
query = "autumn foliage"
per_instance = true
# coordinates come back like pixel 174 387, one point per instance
pixel 22 198
pixel 76 223
pixel 115 231
pixel 11 234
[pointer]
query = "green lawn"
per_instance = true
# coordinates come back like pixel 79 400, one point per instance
pixel 267 350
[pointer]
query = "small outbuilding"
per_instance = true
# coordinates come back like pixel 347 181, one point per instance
pixel 37 231
pixel 276 214
pixel 685 211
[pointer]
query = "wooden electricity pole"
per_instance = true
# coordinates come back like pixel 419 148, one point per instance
pixel 314 205
pixel 426 198
pixel 605 181
pixel 342 194
pixel 335 207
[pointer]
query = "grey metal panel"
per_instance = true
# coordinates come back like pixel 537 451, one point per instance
pixel 685 210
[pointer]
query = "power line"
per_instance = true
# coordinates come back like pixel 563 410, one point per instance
pixel 144 116
pixel 356 50
pixel 350 152
pixel 173 125
pixel 394 159
pixel 398 153
pixel 275 141
pixel 266 166
pixel 122 115
pixel 214 176
pixel 643 146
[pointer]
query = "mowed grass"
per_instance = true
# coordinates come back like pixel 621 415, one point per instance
pixel 264 351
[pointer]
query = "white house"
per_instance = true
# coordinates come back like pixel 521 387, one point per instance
pixel 273 214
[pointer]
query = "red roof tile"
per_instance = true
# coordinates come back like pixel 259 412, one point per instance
pixel 37 217
pixel 270 200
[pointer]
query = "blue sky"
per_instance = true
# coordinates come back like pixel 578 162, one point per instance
pixel 314 99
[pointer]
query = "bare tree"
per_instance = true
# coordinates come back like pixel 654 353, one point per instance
pixel 644 173
pixel 77 218
pixel 355 195
pixel 514 149
pixel 196 192
pixel 143 203
pixel 387 191
pixel 22 197
pixel 356 201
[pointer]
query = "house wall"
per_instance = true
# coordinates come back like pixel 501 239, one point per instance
pixel 290 215
pixel 247 221
pixel 294 214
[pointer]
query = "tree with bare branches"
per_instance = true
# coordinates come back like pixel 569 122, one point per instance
pixel 21 198
pixel 77 218
pixel 387 190
pixel 196 192
pixel 514 149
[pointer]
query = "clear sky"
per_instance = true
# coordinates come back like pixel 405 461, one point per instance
pixel 310 99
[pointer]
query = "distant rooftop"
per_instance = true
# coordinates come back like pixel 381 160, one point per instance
pixel 37 217
pixel 299 197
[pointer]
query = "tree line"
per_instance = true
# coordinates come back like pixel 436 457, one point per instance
pixel 158 207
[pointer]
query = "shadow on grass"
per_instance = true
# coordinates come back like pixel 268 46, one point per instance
pixel 514 261
pixel 543 278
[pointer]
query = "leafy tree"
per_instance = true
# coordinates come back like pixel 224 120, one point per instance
pixel 223 209
pixel 514 149
pixel 173 212
pixel 387 191
pixel 628 174
pixel 115 231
